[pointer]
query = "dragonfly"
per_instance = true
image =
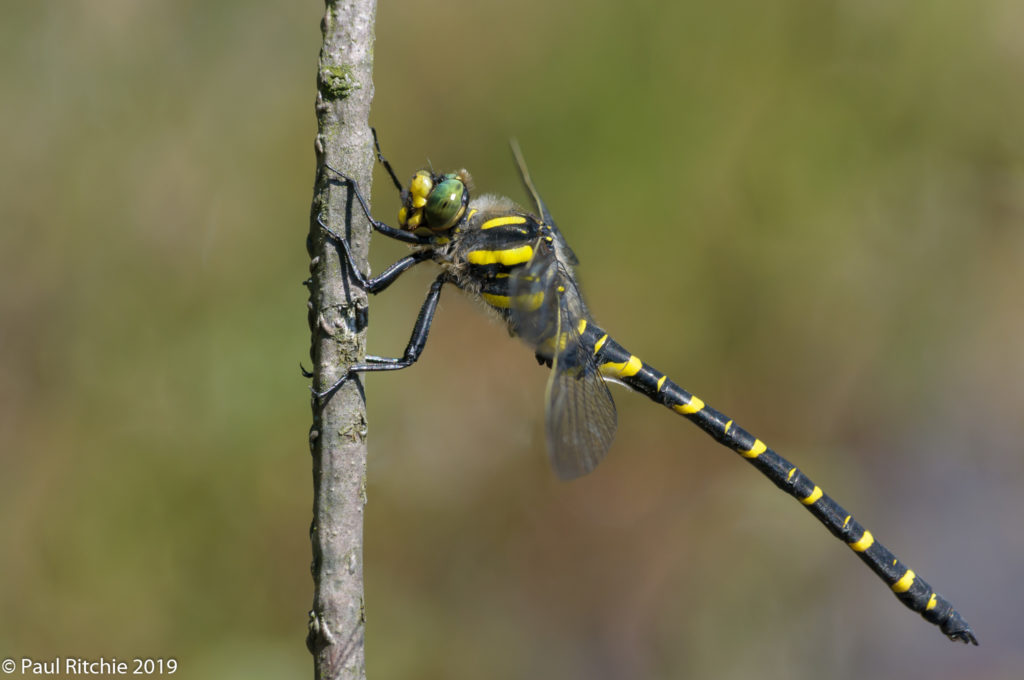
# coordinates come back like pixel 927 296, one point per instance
pixel 517 263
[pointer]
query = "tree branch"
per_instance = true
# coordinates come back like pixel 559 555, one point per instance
pixel 337 320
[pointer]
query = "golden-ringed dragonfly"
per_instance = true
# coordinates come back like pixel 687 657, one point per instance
pixel 518 264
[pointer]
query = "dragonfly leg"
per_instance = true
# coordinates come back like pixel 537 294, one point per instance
pixel 391 232
pixel 413 350
pixel 383 161
pixel 375 284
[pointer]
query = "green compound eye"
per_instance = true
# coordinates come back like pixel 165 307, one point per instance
pixel 446 203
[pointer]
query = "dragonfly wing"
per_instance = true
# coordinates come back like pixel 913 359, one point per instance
pixel 542 208
pixel 548 313
pixel 533 294
pixel 579 411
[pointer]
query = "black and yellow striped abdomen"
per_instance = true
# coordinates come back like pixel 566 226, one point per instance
pixel 616 363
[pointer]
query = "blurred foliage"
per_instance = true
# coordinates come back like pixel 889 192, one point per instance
pixel 809 213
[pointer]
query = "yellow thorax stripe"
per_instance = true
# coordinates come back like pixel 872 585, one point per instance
pixel 509 257
pixel 502 221
pixel 528 303
pixel 555 343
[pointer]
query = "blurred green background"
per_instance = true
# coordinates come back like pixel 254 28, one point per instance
pixel 808 213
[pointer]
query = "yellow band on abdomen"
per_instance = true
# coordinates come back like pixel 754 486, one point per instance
pixel 695 404
pixel 622 369
pixel 864 543
pixel 903 585
pixel 755 450
pixel 812 497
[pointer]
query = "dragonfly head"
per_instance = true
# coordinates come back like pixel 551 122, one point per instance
pixel 434 204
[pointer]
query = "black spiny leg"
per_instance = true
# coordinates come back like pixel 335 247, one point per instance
pixel 397 234
pixel 383 161
pixel 417 341
pixel 377 283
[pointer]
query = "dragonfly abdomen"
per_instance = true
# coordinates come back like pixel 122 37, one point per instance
pixel 617 363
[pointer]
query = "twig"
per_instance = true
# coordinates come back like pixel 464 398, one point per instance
pixel 337 321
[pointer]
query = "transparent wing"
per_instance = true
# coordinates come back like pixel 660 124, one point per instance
pixel 542 208
pixel 533 291
pixel 579 411
pixel 547 311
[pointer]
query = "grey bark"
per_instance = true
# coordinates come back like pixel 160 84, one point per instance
pixel 337 319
